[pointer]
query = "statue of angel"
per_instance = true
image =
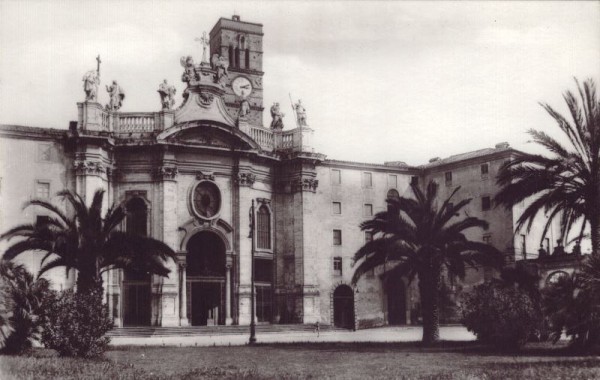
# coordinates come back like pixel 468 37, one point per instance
pixel 189 73
pixel 167 95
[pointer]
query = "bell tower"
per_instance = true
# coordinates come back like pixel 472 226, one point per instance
pixel 240 43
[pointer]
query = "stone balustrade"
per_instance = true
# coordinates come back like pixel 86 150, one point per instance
pixel 93 117
pixel 134 122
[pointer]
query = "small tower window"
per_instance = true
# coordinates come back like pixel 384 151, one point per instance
pixel 247 58
pixel 237 57
pixel 231 56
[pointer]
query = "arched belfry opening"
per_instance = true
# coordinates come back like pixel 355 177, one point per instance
pixel 343 307
pixel 137 294
pixel 205 284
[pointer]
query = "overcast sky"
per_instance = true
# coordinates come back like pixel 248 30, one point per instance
pixel 381 81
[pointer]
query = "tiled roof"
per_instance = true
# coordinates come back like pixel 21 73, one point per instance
pixel 467 156
pixel 21 129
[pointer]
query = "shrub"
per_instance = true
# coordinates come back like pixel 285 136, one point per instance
pixel 21 300
pixel 75 324
pixel 501 315
pixel 572 308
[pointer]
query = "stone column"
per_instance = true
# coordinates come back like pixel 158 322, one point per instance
pixel 183 321
pixel 228 319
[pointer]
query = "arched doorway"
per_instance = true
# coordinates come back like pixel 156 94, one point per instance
pixel 343 307
pixel 137 294
pixel 396 300
pixel 205 274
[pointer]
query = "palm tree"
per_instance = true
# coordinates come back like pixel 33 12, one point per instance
pixel 416 238
pixel 87 242
pixel 565 185
pixel 21 300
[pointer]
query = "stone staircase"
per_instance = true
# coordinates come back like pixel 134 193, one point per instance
pixel 152 331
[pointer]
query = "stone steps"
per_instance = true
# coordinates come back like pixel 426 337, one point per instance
pixel 151 331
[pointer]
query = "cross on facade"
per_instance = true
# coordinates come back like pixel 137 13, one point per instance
pixel 98 66
pixel 204 40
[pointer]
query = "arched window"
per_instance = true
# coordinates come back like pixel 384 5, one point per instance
pixel 237 57
pixel 393 194
pixel 263 228
pixel 247 58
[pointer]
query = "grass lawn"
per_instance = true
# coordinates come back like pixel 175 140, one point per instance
pixel 324 360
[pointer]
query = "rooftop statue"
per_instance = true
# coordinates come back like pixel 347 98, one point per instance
pixel 116 97
pixel 244 109
pixel 167 95
pixel 189 73
pixel 91 81
pixel 220 65
pixel 300 113
pixel 277 115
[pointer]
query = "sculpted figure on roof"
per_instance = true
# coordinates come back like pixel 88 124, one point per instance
pixel 91 81
pixel 277 122
pixel 167 95
pixel 116 96
pixel 220 65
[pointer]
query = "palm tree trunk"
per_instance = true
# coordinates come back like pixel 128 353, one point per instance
pixel 429 289
pixel 595 232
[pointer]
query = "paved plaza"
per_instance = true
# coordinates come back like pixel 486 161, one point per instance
pixel 383 334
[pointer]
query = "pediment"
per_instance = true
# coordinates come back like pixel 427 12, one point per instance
pixel 208 134
pixel 204 105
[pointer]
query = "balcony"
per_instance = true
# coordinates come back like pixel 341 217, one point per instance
pixel 92 117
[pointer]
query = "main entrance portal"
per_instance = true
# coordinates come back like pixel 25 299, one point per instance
pixel 205 285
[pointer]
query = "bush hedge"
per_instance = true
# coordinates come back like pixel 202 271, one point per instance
pixel 501 315
pixel 75 324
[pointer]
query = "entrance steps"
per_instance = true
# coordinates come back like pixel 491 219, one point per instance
pixel 152 331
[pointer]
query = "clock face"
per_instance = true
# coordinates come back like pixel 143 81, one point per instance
pixel 241 87
pixel 206 200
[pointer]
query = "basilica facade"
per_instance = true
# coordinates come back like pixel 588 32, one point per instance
pixel 189 176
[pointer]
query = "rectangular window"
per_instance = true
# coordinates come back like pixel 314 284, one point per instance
pixel 486 203
pixel 337 208
pixel 547 245
pixel 336 177
pixel 448 177
pixel 524 246
pixel 368 236
pixel 42 220
pixel 367 180
pixel 393 181
pixel 337 266
pixel 337 237
pixel 263 270
pixel 414 180
pixel 487 239
pixel 367 209
pixel 484 170
pixel 264 303
pixel 42 190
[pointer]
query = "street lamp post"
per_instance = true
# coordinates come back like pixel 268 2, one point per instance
pixel 252 311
